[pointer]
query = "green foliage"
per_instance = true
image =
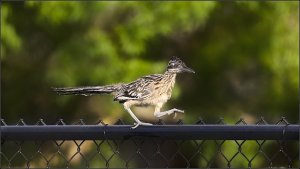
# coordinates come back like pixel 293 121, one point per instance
pixel 9 38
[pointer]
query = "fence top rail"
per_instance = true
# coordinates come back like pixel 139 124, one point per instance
pixel 182 132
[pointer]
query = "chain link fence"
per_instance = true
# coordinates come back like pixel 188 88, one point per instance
pixel 145 151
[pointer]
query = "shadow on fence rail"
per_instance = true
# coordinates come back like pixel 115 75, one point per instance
pixel 99 145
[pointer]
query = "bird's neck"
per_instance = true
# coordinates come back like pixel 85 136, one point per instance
pixel 171 77
pixel 170 74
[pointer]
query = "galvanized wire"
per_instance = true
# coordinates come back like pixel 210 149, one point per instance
pixel 149 152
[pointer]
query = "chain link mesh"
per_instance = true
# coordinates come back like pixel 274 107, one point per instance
pixel 145 152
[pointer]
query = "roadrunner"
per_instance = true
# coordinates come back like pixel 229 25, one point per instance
pixel 152 90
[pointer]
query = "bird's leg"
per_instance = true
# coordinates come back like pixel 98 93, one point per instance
pixel 138 122
pixel 168 112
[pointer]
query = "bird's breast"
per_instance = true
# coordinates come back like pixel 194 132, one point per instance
pixel 162 93
pixel 159 92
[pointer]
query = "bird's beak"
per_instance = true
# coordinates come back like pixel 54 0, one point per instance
pixel 188 70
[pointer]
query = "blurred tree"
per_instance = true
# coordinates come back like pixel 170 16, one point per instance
pixel 246 64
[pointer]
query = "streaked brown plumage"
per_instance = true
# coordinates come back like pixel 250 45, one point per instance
pixel 153 90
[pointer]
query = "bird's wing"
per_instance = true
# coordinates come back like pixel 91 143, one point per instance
pixel 139 89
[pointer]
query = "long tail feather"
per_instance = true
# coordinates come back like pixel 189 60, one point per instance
pixel 89 90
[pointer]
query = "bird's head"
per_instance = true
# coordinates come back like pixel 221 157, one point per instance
pixel 177 66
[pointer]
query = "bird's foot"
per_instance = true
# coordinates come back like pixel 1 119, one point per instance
pixel 175 111
pixel 141 124
pixel 168 112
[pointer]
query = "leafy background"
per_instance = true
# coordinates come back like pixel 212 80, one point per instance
pixel 245 55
